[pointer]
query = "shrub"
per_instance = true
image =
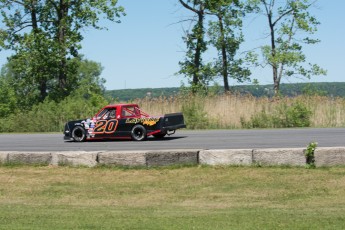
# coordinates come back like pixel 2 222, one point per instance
pixel 260 120
pixel 298 115
pixel 194 114
pixel 309 154
pixel 284 116
pixel 50 116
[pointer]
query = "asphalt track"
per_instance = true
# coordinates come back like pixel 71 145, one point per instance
pixel 210 139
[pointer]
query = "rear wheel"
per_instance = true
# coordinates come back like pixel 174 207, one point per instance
pixel 138 133
pixel 78 134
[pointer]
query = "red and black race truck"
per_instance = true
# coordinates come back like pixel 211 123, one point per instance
pixel 123 121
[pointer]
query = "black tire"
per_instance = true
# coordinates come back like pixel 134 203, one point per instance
pixel 159 135
pixel 78 134
pixel 138 133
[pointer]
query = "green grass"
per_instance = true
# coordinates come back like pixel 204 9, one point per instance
pixel 171 198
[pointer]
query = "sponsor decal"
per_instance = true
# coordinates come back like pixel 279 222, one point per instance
pixel 145 121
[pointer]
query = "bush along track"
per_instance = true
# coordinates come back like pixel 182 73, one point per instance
pixel 309 154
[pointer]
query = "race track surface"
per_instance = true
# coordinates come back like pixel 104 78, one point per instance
pixel 210 139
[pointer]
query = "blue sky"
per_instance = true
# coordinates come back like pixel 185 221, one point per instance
pixel 144 50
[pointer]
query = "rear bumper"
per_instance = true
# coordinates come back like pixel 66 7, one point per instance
pixel 173 127
pixel 172 121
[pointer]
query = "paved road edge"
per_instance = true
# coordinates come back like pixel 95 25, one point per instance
pixel 324 157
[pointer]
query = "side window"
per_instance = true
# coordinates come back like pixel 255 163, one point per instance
pixel 129 111
pixel 101 114
pixel 106 114
pixel 112 113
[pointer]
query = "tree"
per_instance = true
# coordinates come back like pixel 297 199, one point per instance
pixel 289 24
pixel 46 34
pixel 226 36
pixel 193 66
pixel 16 93
pixel 88 78
pixel 8 99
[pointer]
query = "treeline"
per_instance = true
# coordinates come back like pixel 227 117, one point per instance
pixel 331 89
pixel 47 81
pixel 45 38
pixel 131 94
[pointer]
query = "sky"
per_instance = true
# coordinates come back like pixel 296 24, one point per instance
pixel 143 51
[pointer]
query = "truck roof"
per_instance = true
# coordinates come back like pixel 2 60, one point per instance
pixel 119 105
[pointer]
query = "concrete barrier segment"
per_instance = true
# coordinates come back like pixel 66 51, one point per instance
pixel 43 158
pixel 3 157
pixel 283 156
pixel 333 156
pixel 123 158
pixel 226 157
pixel 75 158
pixel 171 157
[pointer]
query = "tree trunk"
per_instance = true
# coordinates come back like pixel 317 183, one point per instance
pixel 62 20
pixel 42 87
pixel 199 33
pixel 224 55
pixel 198 50
pixel 276 87
pixel 276 79
pixel 34 16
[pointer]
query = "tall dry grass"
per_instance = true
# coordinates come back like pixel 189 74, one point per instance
pixel 226 111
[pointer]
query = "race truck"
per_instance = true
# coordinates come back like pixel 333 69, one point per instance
pixel 123 121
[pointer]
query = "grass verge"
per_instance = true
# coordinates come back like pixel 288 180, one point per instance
pixel 171 198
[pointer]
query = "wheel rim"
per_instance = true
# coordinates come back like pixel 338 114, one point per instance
pixel 78 134
pixel 138 133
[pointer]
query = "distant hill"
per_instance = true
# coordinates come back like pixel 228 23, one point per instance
pixel 332 89
pixel 130 94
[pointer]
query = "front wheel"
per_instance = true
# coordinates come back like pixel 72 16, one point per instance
pixel 78 134
pixel 138 133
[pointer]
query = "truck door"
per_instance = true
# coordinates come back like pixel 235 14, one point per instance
pixel 106 123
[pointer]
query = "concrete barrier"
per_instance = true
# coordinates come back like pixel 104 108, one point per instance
pixel 171 157
pixel 3 157
pixel 284 156
pixel 124 158
pixel 148 158
pixel 226 157
pixel 74 158
pixel 334 156
pixel 43 158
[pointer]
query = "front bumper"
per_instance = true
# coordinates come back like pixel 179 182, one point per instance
pixel 67 133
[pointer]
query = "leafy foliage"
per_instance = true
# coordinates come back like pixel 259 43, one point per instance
pixel 50 116
pixel 309 154
pixel 194 114
pixel 20 112
pixel 193 67
pixel 290 23
pixel 285 116
pixel 8 99
pixel 22 95
pixel 226 36
pixel 45 37
pixel 222 22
